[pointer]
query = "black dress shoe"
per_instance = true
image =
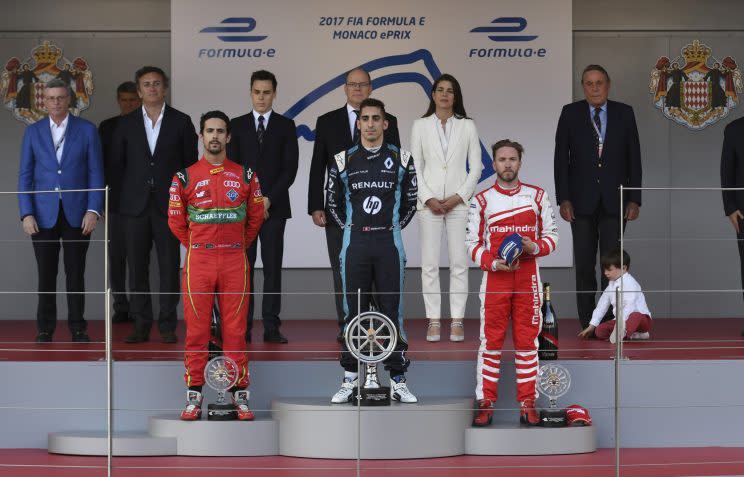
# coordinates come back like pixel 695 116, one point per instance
pixel 168 337
pixel 275 336
pixel 340 336
pixel 121 317
pixel 80 337
pixel 137 337
pixel 44 337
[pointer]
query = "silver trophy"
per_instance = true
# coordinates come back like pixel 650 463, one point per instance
pixel 553 380
pixel 221 374
pixel 371 338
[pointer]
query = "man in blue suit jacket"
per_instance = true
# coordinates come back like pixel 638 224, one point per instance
pixel 58 153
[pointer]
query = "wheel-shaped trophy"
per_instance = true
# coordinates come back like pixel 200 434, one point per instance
pixel 554 381
pixel 221 374
pixel 371 338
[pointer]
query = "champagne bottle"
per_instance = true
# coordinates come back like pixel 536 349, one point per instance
pixel 548 339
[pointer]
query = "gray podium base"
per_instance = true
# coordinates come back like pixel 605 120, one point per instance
pixel 316 428
pixel 511 439
pixel 123 444
pixel 219 438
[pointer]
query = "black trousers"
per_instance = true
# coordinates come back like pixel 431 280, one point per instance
pixel 740 243
pixel 271 236
pixel 334 237
pixel 141 231
pixel 46 245
pixel 588 230
pixel 118 262
pixel 377 258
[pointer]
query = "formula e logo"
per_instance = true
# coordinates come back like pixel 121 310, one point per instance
pixel 372 205
pixel 248 25
pixel 511 25
pixel 388 163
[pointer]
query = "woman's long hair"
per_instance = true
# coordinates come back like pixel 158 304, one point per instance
pixel 458 107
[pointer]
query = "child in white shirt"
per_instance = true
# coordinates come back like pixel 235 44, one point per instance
pixel 636 315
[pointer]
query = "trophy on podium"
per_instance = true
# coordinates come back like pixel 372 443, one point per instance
pixel 371 337
pixel 221 374
pixel 554 381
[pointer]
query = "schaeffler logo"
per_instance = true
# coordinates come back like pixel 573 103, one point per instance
pixel 242 25
pixel 372 205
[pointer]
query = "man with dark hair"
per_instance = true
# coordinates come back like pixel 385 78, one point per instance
pixel 150 145
pixel 336 131
pixel 266 141
pixel 215 211
pixel 128 101
pixel 60 152
pixel 596 151
pixel 375 183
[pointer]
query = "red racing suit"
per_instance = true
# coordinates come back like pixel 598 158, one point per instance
pixel 215 212
pixel 495 213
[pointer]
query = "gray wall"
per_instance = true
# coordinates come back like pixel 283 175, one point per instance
pixel 681 242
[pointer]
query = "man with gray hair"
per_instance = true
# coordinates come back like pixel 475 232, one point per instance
pixel 58 153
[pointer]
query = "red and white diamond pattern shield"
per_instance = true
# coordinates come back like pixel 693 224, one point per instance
pixel 696 95
pixel 39 96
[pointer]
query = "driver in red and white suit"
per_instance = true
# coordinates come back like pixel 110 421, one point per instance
pixel 508 207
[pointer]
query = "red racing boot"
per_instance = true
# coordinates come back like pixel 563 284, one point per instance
pixel 240 400
pixel 528 414
pixel 192 411
pixel 484 414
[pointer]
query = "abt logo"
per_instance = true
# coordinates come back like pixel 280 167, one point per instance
pixel 242 25
pixel 372 205
pixel 508 25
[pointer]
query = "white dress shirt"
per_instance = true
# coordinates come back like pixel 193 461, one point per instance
pixel 265 115
pixel 152 130
pixel 633 299
pixel 444 134
pixel 58 136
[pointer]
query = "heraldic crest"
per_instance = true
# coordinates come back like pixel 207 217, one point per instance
pixel 690 92
pixel 22 83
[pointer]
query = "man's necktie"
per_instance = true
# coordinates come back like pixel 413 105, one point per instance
pixel 356 126
pixel 260 131
pixel 598 131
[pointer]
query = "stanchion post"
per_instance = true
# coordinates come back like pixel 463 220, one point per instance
pixel 359 396
pixel 107 325
pixel 619 335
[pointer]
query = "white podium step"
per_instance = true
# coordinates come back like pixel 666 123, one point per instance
pixel 313 427
pixel 123 444
pixel 513 439
pixel 219 438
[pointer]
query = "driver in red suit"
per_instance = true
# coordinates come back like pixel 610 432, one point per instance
pixel 509 207
pixel 215 211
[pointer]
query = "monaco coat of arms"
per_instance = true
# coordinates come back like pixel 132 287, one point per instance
pixel 696 89
pixel 22 82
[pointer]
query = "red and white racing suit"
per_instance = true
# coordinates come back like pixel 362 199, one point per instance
pixel 215 212
pixel 494 214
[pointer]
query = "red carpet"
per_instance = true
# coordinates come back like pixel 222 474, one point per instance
pixel 712 461
pixel 702 338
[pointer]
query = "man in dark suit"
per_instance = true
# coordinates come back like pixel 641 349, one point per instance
pixel 266 141
pixel 336 131
pixel 60 152
pixel 128 101
pixel 732 175
pixel 596 150
pixel 150 145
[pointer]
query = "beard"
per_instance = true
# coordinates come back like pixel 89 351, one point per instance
pixel 507 176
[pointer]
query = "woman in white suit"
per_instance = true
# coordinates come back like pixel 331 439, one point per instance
pixel 446 151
